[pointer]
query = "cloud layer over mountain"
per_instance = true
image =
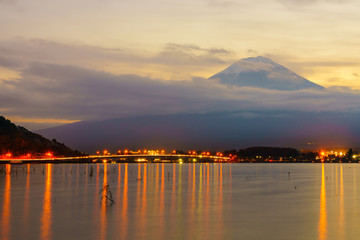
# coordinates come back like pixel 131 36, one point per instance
pixel 61 91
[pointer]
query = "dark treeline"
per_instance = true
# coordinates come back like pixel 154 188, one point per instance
pixel 269 152
pixel 18 141
pixel 263 154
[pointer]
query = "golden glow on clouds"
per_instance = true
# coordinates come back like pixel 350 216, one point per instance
pixel 8 74
pixel 40 120
pixel 178 39
pixel 285 29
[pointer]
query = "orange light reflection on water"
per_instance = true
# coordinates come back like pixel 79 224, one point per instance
pixel 5 221
pixel 341 207
pixel 162 202
pixel 103 217
pixel 142 224
pixel 119 182
pixel 124 222
pixel 46 218
pixel 26 201
pixel 322 229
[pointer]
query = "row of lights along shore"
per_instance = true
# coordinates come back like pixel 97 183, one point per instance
pixel 154 152
pixel 9 155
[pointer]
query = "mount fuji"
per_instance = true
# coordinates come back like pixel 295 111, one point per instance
pixel 253 124
pixel 262 72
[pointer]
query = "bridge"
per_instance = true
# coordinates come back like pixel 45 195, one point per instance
pixel 119 158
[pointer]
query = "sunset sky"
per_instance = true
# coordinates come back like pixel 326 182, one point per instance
pixel 164 40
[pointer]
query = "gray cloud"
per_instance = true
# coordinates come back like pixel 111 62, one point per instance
pixel 18 53
pixel 190 54
pixel 59 81
pixel 29 50
pixel 295 5
pixel 60 91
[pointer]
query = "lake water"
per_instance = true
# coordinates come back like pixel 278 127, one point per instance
pixel 180 201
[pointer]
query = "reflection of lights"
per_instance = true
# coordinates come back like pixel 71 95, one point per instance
pixel 46 217
pixel 6 204
pixel 323 215
pixel 180 161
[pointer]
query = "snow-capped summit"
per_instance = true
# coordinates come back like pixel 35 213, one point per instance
pixel 262 72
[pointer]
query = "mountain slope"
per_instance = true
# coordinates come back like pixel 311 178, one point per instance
pixel 18 141
pixel 262 72
pixel 213 131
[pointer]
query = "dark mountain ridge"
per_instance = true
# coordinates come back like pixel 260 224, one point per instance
pixel 212 131
pixel 16 141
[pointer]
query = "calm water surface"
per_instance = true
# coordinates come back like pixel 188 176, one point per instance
pixel 180 201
